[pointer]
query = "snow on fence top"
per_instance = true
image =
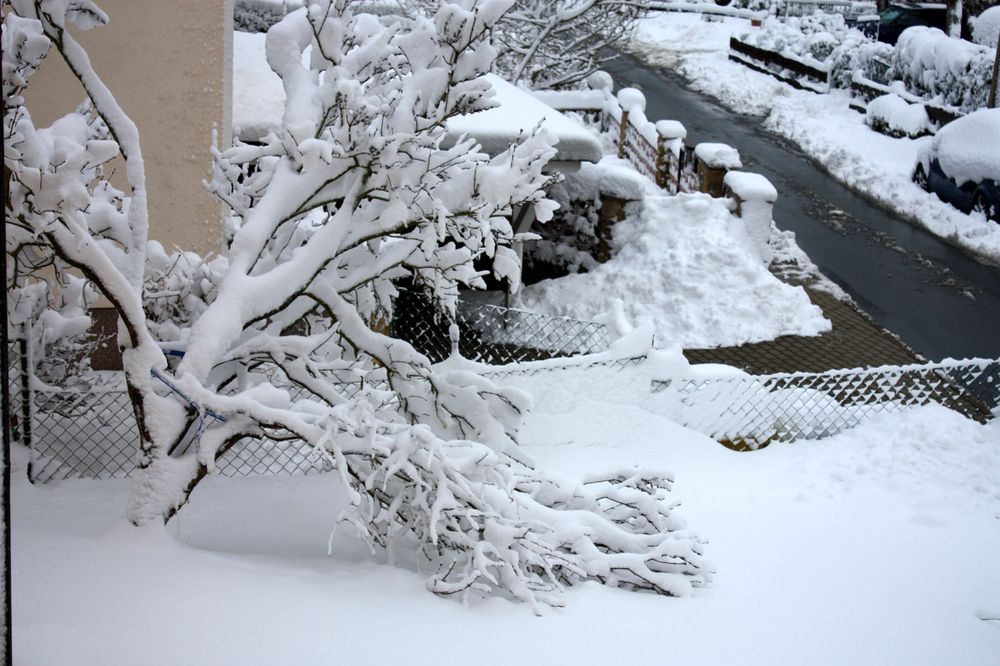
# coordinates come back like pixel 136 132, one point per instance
pixel 519 112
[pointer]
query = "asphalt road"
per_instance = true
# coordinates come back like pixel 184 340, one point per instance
pixel 936 298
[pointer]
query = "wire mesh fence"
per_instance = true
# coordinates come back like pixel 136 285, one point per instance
pixel 493 334
pixel 92 434
pixel 748 412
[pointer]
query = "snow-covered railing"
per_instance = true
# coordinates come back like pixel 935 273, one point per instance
pixel 656 149
pixel 793 71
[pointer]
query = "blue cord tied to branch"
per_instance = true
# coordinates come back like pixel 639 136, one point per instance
pixel 192 406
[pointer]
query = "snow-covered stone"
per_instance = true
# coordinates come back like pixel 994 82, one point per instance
pixel 718 155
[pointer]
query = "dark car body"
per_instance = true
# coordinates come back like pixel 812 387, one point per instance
pixel 985 193
pixel 899 16
pixel 960 165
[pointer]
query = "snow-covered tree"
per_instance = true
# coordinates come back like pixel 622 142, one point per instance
pixel 282 340
pixel 556 43
pixel 552 44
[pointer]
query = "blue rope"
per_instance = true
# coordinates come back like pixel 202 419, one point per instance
pixel 191 403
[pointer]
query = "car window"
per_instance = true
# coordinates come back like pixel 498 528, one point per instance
pixel 889 15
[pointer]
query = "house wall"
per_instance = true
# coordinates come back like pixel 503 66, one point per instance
pixel 169 65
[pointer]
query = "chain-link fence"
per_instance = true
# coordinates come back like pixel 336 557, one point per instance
pixel 92 434
pixel 748 412
pixel 493 334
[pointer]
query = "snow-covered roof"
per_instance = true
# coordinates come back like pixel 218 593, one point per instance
pixel 518 111
pixel 259 102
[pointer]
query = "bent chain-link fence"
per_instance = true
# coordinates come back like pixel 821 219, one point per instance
pixel 748 412
pixel 92 434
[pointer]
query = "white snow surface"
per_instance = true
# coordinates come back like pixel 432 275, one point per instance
pixel 519 112
pixel 686 265
pixel 969 148
pixel 899 115
pixel 876 546
pixel 749 186
pixel 718 155
pixel 986 28
pixel 823 126
pixel 259 104
pixel 258 96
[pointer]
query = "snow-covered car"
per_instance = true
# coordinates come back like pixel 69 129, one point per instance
pixel 961 165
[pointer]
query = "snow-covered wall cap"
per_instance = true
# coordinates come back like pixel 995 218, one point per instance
pixel 750 186
pixel 630 98
pixel 671 129
pixel 600 80
pixel 718 155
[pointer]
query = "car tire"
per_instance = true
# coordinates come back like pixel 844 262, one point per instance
pixel 920 178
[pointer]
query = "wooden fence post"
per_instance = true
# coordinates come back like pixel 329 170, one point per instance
pixel 622 134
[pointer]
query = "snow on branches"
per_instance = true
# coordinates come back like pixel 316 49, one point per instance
pixel 545 44
pixel 284 338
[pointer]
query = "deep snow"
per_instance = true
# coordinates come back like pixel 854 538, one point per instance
pixel 876 546
pixel 824 126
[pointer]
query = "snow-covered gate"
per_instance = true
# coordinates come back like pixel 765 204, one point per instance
pixel 91 434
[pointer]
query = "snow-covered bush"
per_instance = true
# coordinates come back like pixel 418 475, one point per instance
pixel 943 69
pixel 855 56
pixel 894 116
pixel 812 39
pixel 249 16
pixel 986 29
pixel 282 341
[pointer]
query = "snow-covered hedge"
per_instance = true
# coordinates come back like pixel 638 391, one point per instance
pixel 943 69
pixel 986 28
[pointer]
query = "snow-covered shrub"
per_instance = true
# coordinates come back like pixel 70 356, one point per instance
pixel 862 56
pixel 355 191
pixel 255 17
pixel 943 69
pixel 986 29
pixel 894 116
pixel 813 39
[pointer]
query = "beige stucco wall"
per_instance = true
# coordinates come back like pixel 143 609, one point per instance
pixel 169 65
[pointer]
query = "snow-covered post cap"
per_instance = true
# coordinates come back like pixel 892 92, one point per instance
pixel 630 98
pixel 755 197
pixel 718 155
pixel 750 187
pixel 600 80
pixel 671 129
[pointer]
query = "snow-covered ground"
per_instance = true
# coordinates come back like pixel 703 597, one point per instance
pixel 822 125
pixel 877 546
